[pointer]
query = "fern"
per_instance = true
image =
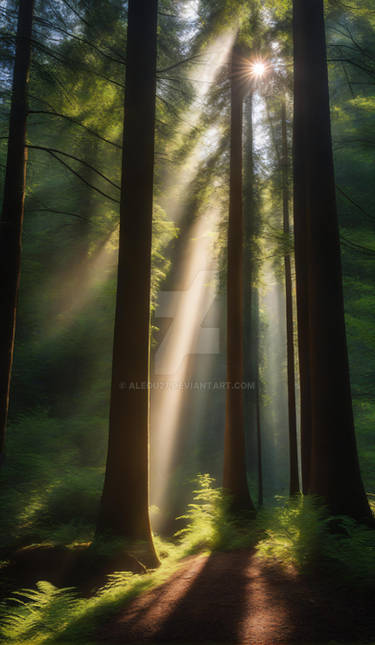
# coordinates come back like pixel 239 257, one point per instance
pixel 293 531
pixel 39 613
pixel 210 524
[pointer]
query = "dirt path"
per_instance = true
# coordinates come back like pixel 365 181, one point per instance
pixel 235 598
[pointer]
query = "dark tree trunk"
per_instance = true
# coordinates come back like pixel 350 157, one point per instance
pixel 257 401
pixel 13 208
pixel 249 230
pixel 292 417
pixel 235 475
pixel 334 469
pixel 124 508
pixel 251 305
pixel 300 143
pixel 249 341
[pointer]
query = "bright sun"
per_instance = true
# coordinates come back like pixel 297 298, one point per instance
pixel 258 69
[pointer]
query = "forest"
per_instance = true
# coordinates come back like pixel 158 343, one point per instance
pixel 187 322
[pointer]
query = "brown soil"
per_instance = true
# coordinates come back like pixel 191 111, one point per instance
pixel 81 567
pixel 235 598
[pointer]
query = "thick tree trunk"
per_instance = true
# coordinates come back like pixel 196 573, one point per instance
pixel 292 417
pixel 251 306
pixel 235 475
pixel 300 143
pixel 249 341
pixel 13 208
pixel 124 508
pixel 334 468
pixel 249 229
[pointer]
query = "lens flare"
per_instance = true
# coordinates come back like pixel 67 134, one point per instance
pixel 258 68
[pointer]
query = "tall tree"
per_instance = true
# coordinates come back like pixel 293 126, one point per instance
pixel 251 300
pixel 13 208
pixel 259 442
pixel 235 475
pixel 294 486
pixel 329 438
pixel 124 507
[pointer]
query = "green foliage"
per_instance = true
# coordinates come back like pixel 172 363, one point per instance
pixel 50 489
pixel 299 532
pixel 293 531
pixel 39 613
pixel 48 614
pixel 210 523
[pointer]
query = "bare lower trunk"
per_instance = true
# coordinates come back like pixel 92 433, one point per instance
pixel 294 486
pixel 334 473
pixel 13 208
pixel 258 409
pixel 300 141
pixel 235 475
pixel 124 508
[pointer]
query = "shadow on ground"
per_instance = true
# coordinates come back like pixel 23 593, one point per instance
pixel 236 598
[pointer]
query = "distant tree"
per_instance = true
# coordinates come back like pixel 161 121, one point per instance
pixel 124 510
pixel 329 453
pixel 13 208
pixel 294 485
pixel 235 471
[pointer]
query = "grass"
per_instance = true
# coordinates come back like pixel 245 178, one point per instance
pixel 296 532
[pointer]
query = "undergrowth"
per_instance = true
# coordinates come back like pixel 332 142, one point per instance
pixel 301 533
pixel 294 532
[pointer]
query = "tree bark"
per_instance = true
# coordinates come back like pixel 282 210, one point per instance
pixel 334 473
pixel 13 208
pixel 251 304
pixel 124 508
pixel 257 401
pixel 249 340
pixel 294 486
pixel 300 143
pixel 235 474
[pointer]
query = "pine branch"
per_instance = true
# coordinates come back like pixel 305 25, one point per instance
pixel 355 204
pixel 85 22
pixel 354 63
pixel 45 23
pixel 68 63
pixel 357 247
pixel 74 172
pixel 72 120
pixel 57 212
pixel 80 161
pixel 181 62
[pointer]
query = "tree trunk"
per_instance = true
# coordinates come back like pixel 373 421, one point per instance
pixel 124 508
pixel 257 402
pixel 300 143
pixel 334 468
pixel 235 475
pixel 292 418
pixel 249 214
pixel 13 208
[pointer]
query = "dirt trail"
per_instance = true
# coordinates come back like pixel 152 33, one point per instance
pixel 234 598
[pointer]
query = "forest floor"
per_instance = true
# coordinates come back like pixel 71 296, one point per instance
pixel 234 597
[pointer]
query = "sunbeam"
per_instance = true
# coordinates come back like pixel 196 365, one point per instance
pixel 178 180
pixel 82 283
pixel 187 308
